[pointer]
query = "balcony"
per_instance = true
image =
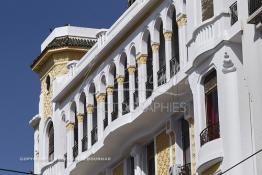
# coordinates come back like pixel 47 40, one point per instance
pixel 255 11
pixel 94 135
pixel 174 66
pixel 75 150
pixel 105 122
pixel 84 143
pixel 161 76
pixel 211 133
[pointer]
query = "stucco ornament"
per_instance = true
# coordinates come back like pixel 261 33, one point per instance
pixel 228 65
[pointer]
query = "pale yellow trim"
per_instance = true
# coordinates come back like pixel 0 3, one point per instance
pixel 90 109
pixel 120 80
pixel 168 36
pixel 80 118
pixel 101 98
pixel 155 47
pixel 70 126
pixel 142 59
pixel 131 70
pixel 110 90
pixel 182 21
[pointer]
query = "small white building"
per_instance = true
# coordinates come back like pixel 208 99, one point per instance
pixel 173 87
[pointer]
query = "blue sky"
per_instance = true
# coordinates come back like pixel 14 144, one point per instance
pixel 24 24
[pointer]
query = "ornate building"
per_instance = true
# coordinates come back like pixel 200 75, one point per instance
pixel 171 88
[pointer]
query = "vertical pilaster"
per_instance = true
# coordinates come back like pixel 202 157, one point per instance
pixel 131 71
pixel 168 51
pixel 136 153
pixel 182 22
pixel 101 114
pixel 142 77
pixel 120 81
pixel 110 102
pixel 70 142
pixel 90 109
pixel 80 119
pixel 155 49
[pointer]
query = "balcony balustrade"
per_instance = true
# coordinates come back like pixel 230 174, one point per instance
pixel 161 76
pixel 212 132
pixel 75 150
pixel 149 88
pixel 84 143
pixel 125 106
pixel 114 115
pixel 94 135
pixel 174 66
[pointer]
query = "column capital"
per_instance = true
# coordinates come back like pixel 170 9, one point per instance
pixel 101 98
pixel 80 117
pixel 141 59
pixel 90 109
pixel 110 90
pixel 155 47
pixel 182 20
pixel 120 80
pixel 168 35
pixel 131 70
pixel 70 126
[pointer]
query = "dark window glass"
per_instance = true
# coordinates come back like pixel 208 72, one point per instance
pixel 151 159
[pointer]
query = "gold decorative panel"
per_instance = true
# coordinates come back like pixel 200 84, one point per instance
pixel 163 153
pixel 119 170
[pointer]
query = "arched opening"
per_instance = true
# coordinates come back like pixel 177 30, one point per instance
pixel 161 74
pixel 50 135
pixel 84 110
pixel 212 130
pixel 115 91
pixel 149 68
pixel 125 104
pixel 103 87
pixel 92 92
pixel 74 115
pixel 48 83
pixel 175 61
pixel 135 94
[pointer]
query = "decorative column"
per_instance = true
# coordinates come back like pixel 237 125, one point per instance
pixel 120 81
pixel 142 77
pixel 110 90
pixel 155 49
pixel 80 119
pixel 70 142
pixel 100 114
pixel 181 23
pixel 168 51
pixel 90 110
pixel 131 71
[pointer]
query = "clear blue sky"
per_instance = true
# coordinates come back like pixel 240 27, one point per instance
pixel 24 24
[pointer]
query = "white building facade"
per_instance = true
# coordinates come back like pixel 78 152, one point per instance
pixel 173 87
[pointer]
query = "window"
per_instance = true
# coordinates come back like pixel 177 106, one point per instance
pixel 151 159
pixel 207 9
pixel 51 143
pixel 48 83
pixel 212 115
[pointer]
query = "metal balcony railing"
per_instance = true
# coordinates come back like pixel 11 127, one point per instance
pixel 114 115
pixel 125 106
pixel 212 132
pixel 174 66
pixel 84 143
pixel 254 5
pixel 161 75
pixel 185 169
pixel 234 13
pixel 75 151
pixel 105 122
pixel 94 135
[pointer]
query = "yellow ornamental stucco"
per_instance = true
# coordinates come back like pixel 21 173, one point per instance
pixel 163 153
pixel 119 170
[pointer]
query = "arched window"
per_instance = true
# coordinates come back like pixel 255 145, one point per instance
pixel 125 105
pixel 149 67
pixel 207 9
pixel 48 83
pixel 50 142
pixel 162 57
pixel 175 62
pixel 212 131
pixel 115 92
pixel 92 92
pixel 74 115
pixel 84 111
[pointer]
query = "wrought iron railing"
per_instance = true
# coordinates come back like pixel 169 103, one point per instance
pixel 94 135
pixel 185 169
pixel 105 122
pixel 254 5
pixel 149 88
pixel 114 115
pixel 234 13
pixel 212 132
pixel 84 143
pixel 75 151
pixel 65 160
pixel 125 106
pixel 174 66
pixel 161 75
